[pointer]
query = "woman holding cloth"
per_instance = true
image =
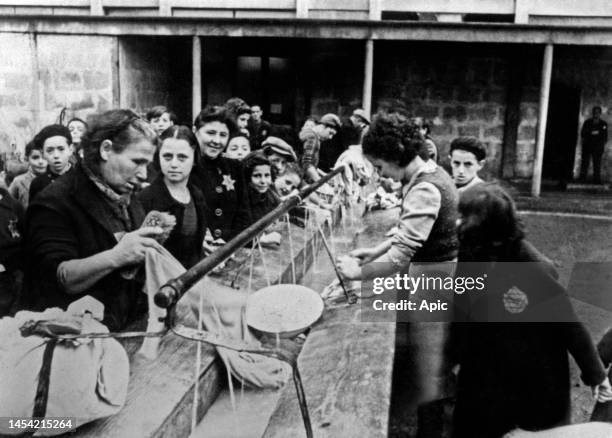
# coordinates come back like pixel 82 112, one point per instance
pixel 83 230
pixel 425 244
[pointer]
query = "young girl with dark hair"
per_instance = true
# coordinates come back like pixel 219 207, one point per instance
pixel 260 174
pixel 171 192
pixel 512 347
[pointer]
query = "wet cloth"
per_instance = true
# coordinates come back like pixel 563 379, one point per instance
pixel 88 378
pixel 223 314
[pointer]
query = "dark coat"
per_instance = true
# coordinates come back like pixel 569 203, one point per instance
pixel 223 184
pixel 70 220
pixel 42 181
pixel 262 203
pixel 11 231
pixel 258 133
pixel 11 249
pixel 514 369
pixel 157 197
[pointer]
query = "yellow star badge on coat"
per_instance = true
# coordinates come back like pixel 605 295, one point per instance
pixel 228 182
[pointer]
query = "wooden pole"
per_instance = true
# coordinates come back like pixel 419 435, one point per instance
pixel 170 293
pixel 196 76
pixel 368 75
pixel 547 63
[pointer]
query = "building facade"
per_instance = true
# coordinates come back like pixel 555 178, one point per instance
pixel 522 75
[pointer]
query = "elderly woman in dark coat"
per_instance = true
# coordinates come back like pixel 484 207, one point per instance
pixel 513 346
pixel 82 232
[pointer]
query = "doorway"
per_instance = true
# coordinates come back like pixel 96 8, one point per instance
pixel 561 132
pixel 269 82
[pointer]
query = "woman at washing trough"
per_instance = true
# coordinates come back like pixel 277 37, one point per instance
pixel 82 232
pixel 425 244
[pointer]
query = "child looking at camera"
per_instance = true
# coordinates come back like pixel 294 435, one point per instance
pixel 259 175
pixel 238 147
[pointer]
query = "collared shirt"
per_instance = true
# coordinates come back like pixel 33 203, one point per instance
pixel 420 207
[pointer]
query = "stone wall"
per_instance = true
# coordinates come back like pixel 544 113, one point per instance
pixel 17 91
pixel 77 73
pixel 144 73
pixel 335 77
pixel 463 92
pixel 41 75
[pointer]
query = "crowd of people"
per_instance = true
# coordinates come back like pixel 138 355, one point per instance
pixel 71 226
pixel 72 218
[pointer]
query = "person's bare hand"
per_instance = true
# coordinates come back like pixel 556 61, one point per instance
pixel 603 392
pixel 349 268
pixel 131 249
pixel 211 246
pixel 365 255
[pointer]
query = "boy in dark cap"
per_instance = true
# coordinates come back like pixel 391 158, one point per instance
pixel 55 142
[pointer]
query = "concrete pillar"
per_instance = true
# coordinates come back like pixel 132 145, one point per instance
pixel 521 11
pixel 547 63
pixel 196 76
pixel 165 8
pixel 450 18
pixel 301 8
pixel 36 88
pixel 367 76
pixel 374 10
pixel 96 8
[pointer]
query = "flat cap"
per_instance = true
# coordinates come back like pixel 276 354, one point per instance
pixel 331 120
pixel 281 147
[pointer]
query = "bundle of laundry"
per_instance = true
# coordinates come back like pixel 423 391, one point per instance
pixel 84 379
